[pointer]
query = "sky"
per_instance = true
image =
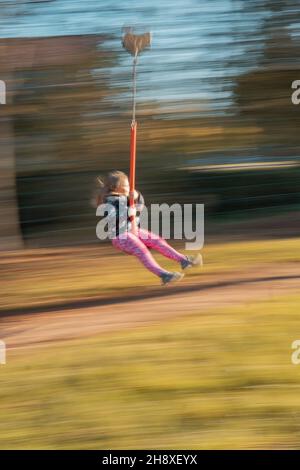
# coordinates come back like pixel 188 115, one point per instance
pixel 197 45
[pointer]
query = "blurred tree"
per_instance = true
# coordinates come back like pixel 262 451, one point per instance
pixel 263 94
pixel 52 95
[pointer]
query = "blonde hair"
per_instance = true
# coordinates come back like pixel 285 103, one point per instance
pixel 109 184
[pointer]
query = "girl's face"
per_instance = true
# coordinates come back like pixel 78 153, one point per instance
pixel 124 187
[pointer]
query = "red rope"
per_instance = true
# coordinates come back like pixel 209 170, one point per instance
pixel 132 169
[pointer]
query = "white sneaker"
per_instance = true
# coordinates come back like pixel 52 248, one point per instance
pixel 192 261
pixel 171 277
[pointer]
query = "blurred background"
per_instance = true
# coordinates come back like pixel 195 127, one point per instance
pixel 216 121
pixel 206 364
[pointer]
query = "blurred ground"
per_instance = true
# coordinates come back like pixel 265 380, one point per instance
pixel 70 277
pixel 216 379
pixel 85 290
pixel 102 357
pixel 222 291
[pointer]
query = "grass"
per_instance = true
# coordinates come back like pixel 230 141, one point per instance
pixel 222 379
pixel 50 276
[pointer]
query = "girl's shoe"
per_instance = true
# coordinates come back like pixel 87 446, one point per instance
pixel 191 261
pixel 171 277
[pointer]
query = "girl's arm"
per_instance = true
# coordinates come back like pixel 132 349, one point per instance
pixel 139 201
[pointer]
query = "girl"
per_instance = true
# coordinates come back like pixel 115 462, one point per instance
pixel 115 193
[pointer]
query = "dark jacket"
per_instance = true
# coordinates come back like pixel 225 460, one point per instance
pixel 117 213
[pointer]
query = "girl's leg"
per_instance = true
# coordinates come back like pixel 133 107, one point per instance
pixel 151 240
pixel 131 244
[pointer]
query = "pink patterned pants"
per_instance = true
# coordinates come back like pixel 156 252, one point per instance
pixel 138 244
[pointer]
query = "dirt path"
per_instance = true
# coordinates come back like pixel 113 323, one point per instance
pixel 37 329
